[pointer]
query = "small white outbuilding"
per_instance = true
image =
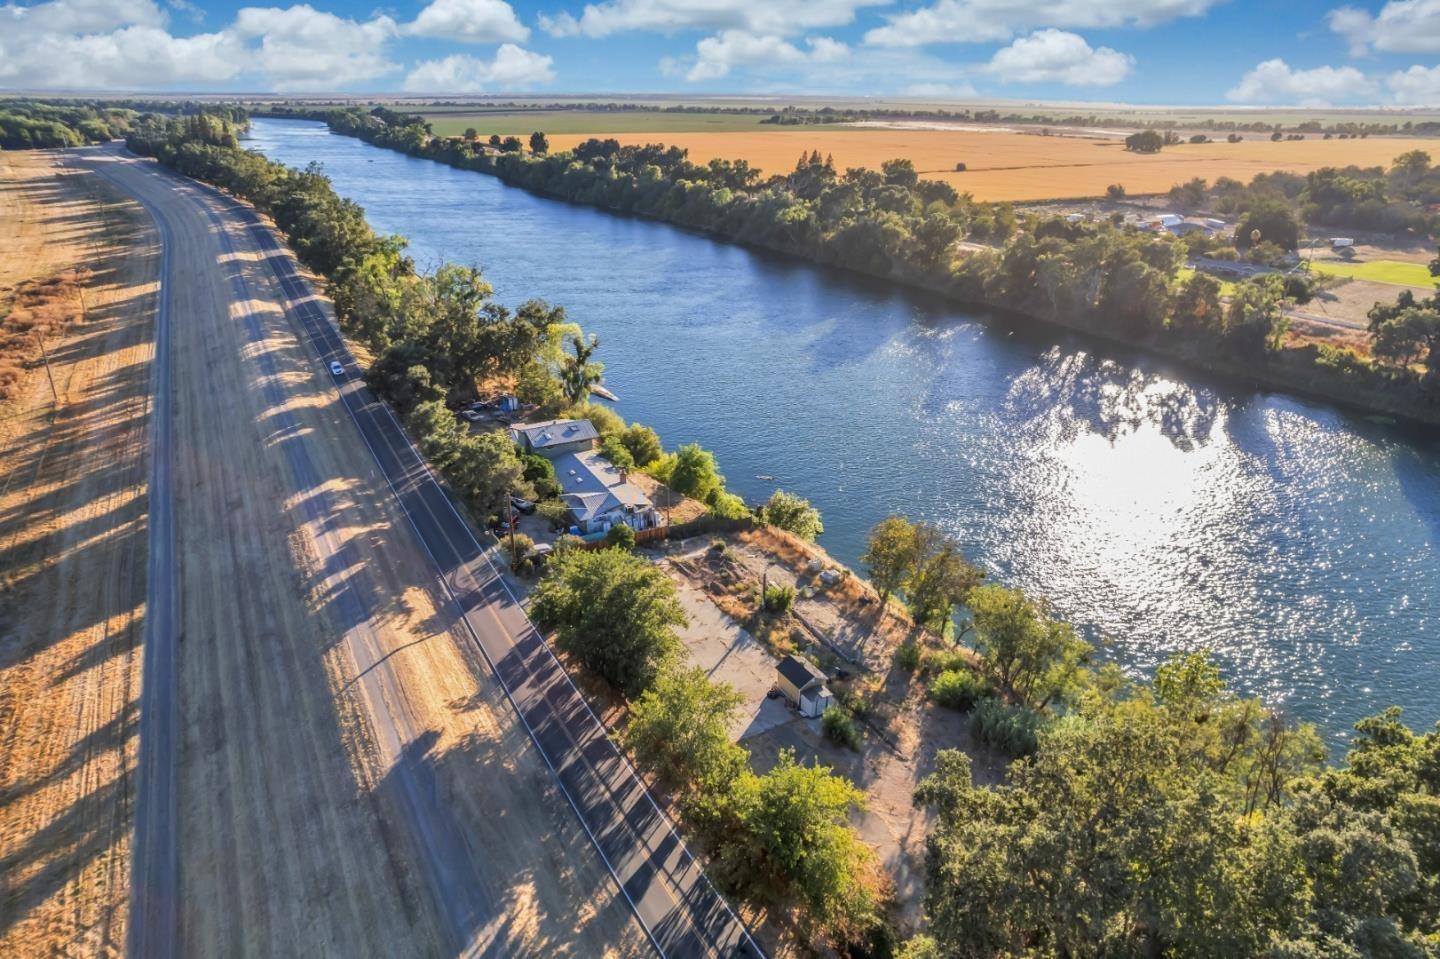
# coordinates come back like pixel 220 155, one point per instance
pixel 803 684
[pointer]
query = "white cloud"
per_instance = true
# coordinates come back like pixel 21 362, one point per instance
pixel 940 91
pixel 469 21
pixel 301 48
pixel 512 69
pixel 124 44
pixel 1417 86
pixel 1402 26
pixel 1274 81
pixel 1054 56
pixel 758 17
pixel 989 21
pixel 715 56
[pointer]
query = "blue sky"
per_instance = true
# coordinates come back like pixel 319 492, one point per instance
pixel 1135 51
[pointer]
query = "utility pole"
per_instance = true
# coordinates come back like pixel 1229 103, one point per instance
pixel 48 375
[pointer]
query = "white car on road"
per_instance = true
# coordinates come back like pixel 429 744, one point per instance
pixel 336 369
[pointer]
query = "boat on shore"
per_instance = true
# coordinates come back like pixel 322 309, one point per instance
pixel 604 394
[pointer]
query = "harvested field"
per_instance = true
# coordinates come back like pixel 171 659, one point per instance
pixel 1021 166
pixel 79 263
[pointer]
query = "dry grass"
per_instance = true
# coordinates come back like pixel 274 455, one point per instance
pixel 72 536
pixel 1024 166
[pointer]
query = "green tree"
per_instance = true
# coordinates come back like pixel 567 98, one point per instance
pixel 487 472
pixel 900 173
pixel 679 732
pixel 620 536
pixel 797 818
pixel 1036 657
pixel 1255 321
pixel 581 372
pixel 941 580
pixel 613 448
pixel 1146 141
pixel 614 612
pixel 792 513
pixel 643 444
pixel 695 474
pixel 1275 222
pixel 538 143
pixel 890 556
pixel 1197 307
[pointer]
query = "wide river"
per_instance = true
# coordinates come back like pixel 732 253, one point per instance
pixel 1157 509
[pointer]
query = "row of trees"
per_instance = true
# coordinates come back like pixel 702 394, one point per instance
pixel 781 839
pixel 1105 278
pixel 42 125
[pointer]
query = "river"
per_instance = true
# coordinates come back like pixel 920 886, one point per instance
pixel 1157 509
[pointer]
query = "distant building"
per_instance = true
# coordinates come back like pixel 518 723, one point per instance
pixel 552 438
pixel 599 495
pixel 804 685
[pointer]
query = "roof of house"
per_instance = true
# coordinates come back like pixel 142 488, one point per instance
pixel 800 672
pixel 539 436
pixel 593 486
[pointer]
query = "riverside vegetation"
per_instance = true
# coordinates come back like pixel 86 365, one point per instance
pixel 1103 278
pixel 1139 818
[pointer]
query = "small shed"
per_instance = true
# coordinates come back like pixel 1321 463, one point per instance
pixel 804 685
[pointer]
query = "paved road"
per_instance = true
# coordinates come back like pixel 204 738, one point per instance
pixel 679 909
pixel 155 854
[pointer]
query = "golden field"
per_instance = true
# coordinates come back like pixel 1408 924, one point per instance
pixel 1027 166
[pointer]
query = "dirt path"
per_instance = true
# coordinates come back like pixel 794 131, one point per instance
pixel 72 554
pixel 346 783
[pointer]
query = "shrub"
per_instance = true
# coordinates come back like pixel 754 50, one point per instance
pixel 621 536
pixel 944 661
pixel 908 656
pixel 793 514
pixel 518 548
pixel 1013 730
pixel 779 599
pixel 960 168
pixel 567 542
pixel 959 689
pixel 605 420
pixel 839 728
pixel 1115 191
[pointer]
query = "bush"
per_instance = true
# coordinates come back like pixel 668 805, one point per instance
pixel 606 421
pixel 567 542
pixel 959 689
pixel 1115 191
pixel 839 728
pixel 945 661
pixel 908 656
pixel 960 168
pixel 518 549
pixel 793 514
pixel 1013 730
pixel 779 599
pixel 540 472
pixel 620 536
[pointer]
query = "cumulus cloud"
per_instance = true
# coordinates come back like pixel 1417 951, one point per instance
pixel 716 56
pixel 301 48
pixel 1417 86
pixel 513 68
pixel 759 17
pixel 72 44
pixel 1402 26
pixel 989 21
pixel 1054 56
pixel 469 21
pixel 1275 81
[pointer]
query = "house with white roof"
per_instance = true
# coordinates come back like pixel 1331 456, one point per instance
pixel 599 495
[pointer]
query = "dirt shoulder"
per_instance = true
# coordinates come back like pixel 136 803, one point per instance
pixel 72 553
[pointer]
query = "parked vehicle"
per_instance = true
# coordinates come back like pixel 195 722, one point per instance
pixel 336 369
pixel 470 416
pixel 522 505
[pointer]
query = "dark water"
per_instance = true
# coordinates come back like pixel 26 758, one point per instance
pixel 1151 506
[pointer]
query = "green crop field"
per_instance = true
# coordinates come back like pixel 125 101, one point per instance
pixel 1380 271
pixel 454 122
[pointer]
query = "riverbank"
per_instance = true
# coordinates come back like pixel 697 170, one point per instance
pixel 1332 375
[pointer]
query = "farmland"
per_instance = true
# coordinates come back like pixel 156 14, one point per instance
pixel 1021 166
pixel 587 123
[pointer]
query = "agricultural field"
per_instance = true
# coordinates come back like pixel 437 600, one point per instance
pixel 1024 166
pixel 454 122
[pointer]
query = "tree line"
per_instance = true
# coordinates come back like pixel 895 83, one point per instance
pixel 1104 278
